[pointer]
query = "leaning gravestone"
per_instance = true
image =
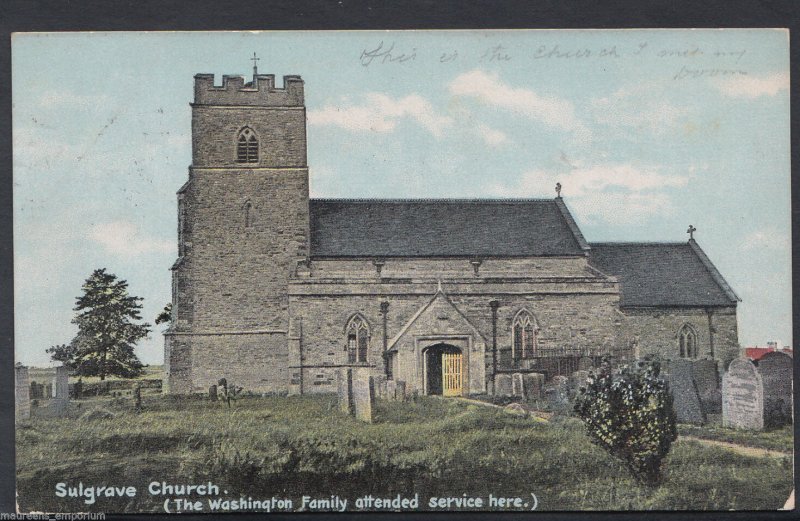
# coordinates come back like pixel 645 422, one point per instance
pixel 776 375
pixel 22 393
pixel 344 387
pixel 60 391
pixel 685 397
pixel 706 380
pixel 363 395
pixel 503 386
pixel 742 396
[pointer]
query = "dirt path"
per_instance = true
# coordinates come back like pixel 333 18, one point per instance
pixel 739 449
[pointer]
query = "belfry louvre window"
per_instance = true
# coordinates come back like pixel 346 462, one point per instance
pixel 247 146
pixel 357 340
pixel 524 332
pixel 687 342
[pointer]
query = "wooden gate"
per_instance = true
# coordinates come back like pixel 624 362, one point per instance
pixel 452 376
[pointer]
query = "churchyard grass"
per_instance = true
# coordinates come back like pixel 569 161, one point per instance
pixel 289 446
pixel 781 440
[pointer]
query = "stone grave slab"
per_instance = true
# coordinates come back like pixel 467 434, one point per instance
pixel 503 385
pixel 364 396
pixel 344 387
pixel 533 384
pixel 706 380
pixel 776 376
pixel 742 396
pixel 400 391
pixel 685 397
pixel 517 386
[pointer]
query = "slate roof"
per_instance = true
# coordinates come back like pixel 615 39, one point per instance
pixel 443 228
pixel 662 274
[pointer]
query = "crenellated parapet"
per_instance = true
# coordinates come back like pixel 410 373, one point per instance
pixel 261 92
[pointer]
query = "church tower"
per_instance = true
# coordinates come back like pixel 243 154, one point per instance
pixel 243 225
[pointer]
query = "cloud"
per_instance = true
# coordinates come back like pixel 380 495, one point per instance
pixel 637 107
pixel 491 136
pixel 767 239
pixel 64 98
pixel 752 87
pixel 616 194
pixel 381 113
pixel 489 89
pixel 124 238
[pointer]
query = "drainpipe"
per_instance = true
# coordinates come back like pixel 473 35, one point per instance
pixel 494 305
pixel 384 313
pixel 710 313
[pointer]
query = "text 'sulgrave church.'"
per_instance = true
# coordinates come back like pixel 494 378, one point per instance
pixel 275 291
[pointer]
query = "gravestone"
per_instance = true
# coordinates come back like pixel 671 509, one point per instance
pixel 557 391
pixel 503 386
pixel 742 396
pixel 585 364
pixel 532 384
pixel 380 385
pixel 37 391
pixel 363 395
pixel 706 380
pixel 212 392
pixel 400 390
pixel 685 397
pixel 391 390
pixel 60 391
pixel 776 376
pixel 22 393
pixel 517 387
pixel 137 398
pixel 48 391
pixel 344 387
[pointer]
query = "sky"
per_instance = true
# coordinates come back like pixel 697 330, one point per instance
pixel 647 131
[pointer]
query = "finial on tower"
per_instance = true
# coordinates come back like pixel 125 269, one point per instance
pixel 691 231
pixel 558 189
pixel 254 59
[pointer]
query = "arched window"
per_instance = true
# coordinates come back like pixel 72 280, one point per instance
pixel 357 339
pixel 525 333
pixel 687 342
pixel 248 214
pixel 247 146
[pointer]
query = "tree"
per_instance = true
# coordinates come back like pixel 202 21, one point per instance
pixel 166 315
pixel 107 330
pixel 630 414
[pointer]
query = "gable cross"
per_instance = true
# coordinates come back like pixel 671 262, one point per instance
pixel 558 189
pixel 254 59
pixel 691 231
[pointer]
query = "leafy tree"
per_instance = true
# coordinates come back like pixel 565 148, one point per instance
pixel 166 315
pixel 107 330
pixel 629 412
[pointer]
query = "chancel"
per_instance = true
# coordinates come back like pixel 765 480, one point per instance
pixel 277 292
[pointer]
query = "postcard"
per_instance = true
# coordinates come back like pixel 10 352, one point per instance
pixel 399 271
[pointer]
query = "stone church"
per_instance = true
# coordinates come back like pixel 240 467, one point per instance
pixel 275 291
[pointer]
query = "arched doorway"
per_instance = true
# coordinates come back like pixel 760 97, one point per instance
pixel 444 370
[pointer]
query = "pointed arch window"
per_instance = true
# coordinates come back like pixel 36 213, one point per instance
pixel 687 342
pixel 357 340
pixel 247 146
pixel 525 333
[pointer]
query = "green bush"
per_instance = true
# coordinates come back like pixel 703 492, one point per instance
pixel 629 412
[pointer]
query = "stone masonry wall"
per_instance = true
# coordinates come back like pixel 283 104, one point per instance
pixel 657 331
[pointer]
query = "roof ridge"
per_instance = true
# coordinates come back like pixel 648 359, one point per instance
pixel 638 243
pixel 571 224
pixel 431 200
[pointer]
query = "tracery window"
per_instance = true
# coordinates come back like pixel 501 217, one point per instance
pixel 247 146
pixel 525 333
pixel 687 342
pixel 357 340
